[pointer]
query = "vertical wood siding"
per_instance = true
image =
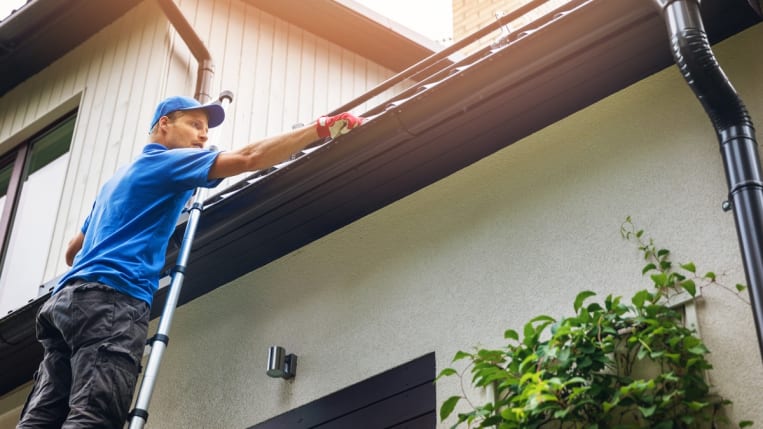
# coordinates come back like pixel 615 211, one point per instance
pixel 280 75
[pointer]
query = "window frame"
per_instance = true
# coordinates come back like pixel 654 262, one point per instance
pixel 20 154
pixel 21 157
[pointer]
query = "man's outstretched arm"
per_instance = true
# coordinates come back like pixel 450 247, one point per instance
pixel 270 151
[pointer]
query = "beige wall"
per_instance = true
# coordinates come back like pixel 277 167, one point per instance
pixel 280 75
pixel 10 406
pixel 516 235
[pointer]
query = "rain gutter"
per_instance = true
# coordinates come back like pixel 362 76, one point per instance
pixel 426 131
pixel 736 135
pixel 206 69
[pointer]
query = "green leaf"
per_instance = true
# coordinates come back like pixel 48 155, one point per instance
pixel 660 279
pixel 448 406
pixel 582 296
pixel 710 276
pixel 663 252
pixel 699 349
pixel 690 287
pixel 647 268
pixel 511 334
pixel 696 406
pixel 741 287
pixel 640 297
pixel 490 355
pixel 447 372
pixel 593 307
pixel 542 318
pixel 642 353
pixel 461 355
pixel 575 380
pixel 512 414
pixel 745 423
pixel 530 334
pixel 528 363
pixel 648 411
pixel 689 267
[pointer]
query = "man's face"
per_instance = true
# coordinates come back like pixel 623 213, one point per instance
pixel 188 130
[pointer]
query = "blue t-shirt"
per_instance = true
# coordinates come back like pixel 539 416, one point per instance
pixel 133 217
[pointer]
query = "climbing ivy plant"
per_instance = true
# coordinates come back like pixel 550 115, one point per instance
pixel 613 364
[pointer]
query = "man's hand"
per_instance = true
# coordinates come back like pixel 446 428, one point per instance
pixel 334 126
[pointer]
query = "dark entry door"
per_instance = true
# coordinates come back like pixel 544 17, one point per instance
pixel 401 398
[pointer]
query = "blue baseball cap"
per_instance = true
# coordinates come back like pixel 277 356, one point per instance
pixel 215 112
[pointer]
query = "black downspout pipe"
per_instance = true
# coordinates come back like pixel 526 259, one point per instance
pixel 736 135
pixel 206 68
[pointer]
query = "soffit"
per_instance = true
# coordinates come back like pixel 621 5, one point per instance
pixel 354 27
pixel 44 30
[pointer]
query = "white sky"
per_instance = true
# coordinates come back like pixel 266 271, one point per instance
pixel 6 6
pixel 431 18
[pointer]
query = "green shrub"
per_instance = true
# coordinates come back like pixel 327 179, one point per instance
pixel 613 364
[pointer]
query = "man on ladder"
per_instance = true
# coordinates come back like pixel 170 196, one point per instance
pixel 93 328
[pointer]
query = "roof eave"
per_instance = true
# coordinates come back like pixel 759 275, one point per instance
pixel 42 31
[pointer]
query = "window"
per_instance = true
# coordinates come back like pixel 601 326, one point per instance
pixel 31 180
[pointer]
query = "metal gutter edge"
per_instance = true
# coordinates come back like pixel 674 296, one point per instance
pixel 437 118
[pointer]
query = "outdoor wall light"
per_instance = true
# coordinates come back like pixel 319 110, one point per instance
pixel 281 365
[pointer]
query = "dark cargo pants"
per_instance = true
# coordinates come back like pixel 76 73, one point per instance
pixel 93 338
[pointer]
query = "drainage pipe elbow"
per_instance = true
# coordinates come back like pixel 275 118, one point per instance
pixel 736 135
pixel 206 68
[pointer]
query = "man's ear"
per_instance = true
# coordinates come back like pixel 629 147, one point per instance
pixel 163 122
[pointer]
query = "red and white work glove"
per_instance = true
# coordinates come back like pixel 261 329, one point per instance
pixel 335 126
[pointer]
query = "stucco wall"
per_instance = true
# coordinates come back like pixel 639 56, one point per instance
pixel 454 265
